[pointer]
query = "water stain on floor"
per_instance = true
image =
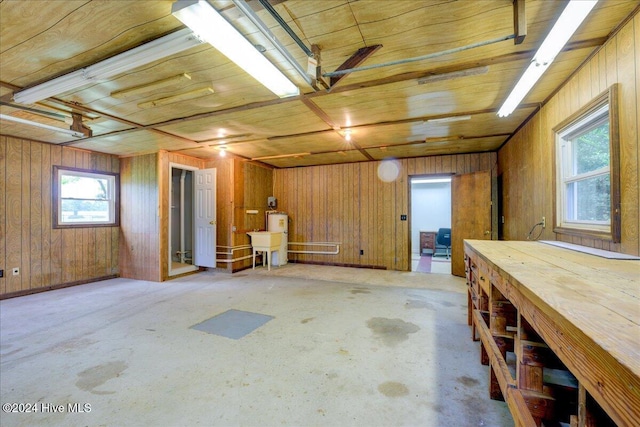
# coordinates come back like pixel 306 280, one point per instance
pixel 393 389
pixel 468 381
pixel 446 303
pixel 416 303
pixel 391 331
pixel 94 377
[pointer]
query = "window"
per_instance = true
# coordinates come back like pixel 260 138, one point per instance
pixel 587 191
pixel 84 198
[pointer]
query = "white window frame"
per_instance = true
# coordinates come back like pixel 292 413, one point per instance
pixel 113 187
pixel 602 108
pixel 565 151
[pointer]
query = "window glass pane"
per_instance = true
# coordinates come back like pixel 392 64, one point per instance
pixel 589 200
pixel 591 149
pixel 85 211
pixel 82 187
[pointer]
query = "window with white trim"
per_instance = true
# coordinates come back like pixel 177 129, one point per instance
pixel 85 198
pixel 586 188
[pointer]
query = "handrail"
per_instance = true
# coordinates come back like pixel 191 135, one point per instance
pixel 336 244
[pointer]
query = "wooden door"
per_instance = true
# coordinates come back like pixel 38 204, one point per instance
pixel 204 251
pixel 470 214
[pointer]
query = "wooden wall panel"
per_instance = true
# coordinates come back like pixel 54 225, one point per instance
pixel 47 257
pixel 139 218
pixel 526 161
pixel 349 204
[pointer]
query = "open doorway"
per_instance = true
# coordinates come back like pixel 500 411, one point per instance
pixel 430 199
pixel 181 201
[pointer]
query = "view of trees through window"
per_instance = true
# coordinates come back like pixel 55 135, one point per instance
pixel 85 197
pixel 589 197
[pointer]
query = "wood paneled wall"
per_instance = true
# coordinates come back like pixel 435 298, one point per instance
pixel 139 218
pixel 241 186
pixel 349 204
pixel 526 165
pixel 47 257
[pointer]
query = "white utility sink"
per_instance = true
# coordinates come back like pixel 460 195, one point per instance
pixel 265 241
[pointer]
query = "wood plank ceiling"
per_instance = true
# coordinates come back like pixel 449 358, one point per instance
pixel 386 109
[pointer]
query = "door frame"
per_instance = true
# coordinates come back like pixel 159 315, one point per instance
pixel 173 272
pixel 409 205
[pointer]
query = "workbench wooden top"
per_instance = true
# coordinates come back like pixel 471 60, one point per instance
pixel 595 298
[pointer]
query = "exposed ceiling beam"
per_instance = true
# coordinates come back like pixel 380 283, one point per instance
pixel 135 127
pixel 519 21
pixel 354 60
pixel 325 118
pixel 401 121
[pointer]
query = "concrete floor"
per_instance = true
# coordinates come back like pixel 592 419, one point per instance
pixel 346 347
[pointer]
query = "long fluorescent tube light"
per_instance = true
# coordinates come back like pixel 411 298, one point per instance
pixel 454 75
pixel 118 64
pixel 69 132
pixel 574 13
pixel 208 24
pixel 430 180
pixel 449 119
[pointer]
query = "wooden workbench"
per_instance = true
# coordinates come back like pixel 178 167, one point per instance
pixel 557 310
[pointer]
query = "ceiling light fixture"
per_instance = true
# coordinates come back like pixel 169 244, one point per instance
pixel 133 58
pixel 281 156
pixel 153 86
pixel 347 135
pixel 453 75
pixel 193 94
pixel 574 13
pixel 449 119
pixel 223 151
pixel 430 180
pixel 69 132
pixel 207 23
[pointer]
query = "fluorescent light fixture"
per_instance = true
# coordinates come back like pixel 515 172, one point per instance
pixel 454 75
pixel 150 87
pixel 429 180
pixel 449 119
pixel 136 57
pixel 208 24
pixel 193 94
pixel 574 13
pixel 69 132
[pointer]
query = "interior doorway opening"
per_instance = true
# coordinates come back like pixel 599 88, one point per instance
pixel 181 229
pixel 430 199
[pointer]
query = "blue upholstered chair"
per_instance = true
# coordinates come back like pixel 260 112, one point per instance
pixel 443 243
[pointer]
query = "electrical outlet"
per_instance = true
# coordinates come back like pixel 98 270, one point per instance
pixel 1 273
pixel 16 271
pixel 544 222
pixel 361 251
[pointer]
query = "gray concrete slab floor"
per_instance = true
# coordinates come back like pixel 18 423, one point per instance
pixel 346 347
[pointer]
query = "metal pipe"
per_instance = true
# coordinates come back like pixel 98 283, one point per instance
pixel 286 27
pixel 234 259
pixel 336 244
pixel 249 13
pixel 418 58
pixel 233 249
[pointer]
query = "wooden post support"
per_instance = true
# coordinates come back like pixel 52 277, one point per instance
pixel 519 21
